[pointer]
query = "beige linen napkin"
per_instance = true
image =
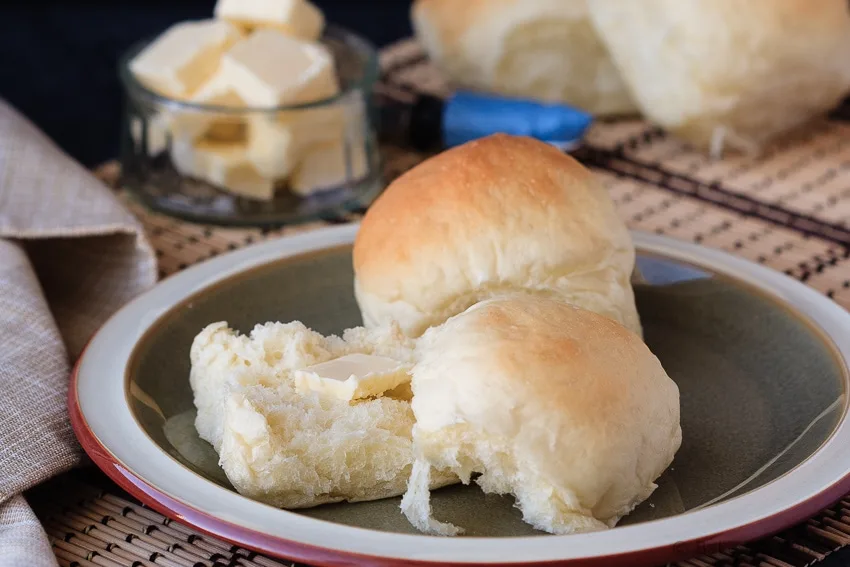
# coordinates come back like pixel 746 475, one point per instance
pixel 70 255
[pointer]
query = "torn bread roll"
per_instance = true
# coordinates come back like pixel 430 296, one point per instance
pixel 498 214
pixel 729 74
pixel 564 409
pixel 543 49
pixel 298 441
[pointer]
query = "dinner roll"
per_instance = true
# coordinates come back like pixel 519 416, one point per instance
pixel 726 73
pixel 564 409
pixel 294 449
pixel 544 49
pixel 492 215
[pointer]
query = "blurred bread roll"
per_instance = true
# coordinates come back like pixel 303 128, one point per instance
pixel 543 49
pixel 726 73
pixel 564 409
pixel 498 214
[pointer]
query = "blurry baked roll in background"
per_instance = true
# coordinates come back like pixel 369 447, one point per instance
pixel 498 214
pixel 542 49
pixel 566 410
pixel 729 73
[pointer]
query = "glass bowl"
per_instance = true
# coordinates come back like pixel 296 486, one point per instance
pixel 167 168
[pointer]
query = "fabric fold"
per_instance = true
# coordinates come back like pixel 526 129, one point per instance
pixel 22 539
pixel 70 256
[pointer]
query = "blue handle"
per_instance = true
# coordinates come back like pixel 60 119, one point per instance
pixel 468 116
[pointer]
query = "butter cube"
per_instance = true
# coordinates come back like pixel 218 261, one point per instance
pixel 183 57
pixel 329 165
pixel 327 123
pixel 318 125
pixel 228 167
pixel 185 160
pixel 271 146
pixel 224 164
pixel 218 91
pixel 352 377
pixel 196 124
pixel 223 126
pixel 269 68
pixel 297 18
pixel 276 141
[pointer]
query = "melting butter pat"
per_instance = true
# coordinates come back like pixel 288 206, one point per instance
pixel 269 68
pixel 353 376
pixel 298 18
pixel 184 57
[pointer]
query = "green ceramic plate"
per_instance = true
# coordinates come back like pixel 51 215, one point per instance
pixel 758 358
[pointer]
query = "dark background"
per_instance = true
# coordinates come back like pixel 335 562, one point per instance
pixel 58 60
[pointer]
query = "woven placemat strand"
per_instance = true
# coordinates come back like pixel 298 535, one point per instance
pixel 787 209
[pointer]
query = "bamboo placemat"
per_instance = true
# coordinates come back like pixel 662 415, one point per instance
pixel 787 209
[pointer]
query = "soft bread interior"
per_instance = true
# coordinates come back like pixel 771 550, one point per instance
pixel 539 59
pixel 292 449
pixel 222 358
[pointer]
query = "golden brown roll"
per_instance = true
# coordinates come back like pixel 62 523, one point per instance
pixel 498 214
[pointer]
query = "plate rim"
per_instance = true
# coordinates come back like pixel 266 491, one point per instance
pixel 791 293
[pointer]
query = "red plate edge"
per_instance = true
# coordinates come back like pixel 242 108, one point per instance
pixel 323 557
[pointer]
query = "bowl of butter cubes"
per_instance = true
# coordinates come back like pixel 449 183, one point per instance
pixel 259 116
